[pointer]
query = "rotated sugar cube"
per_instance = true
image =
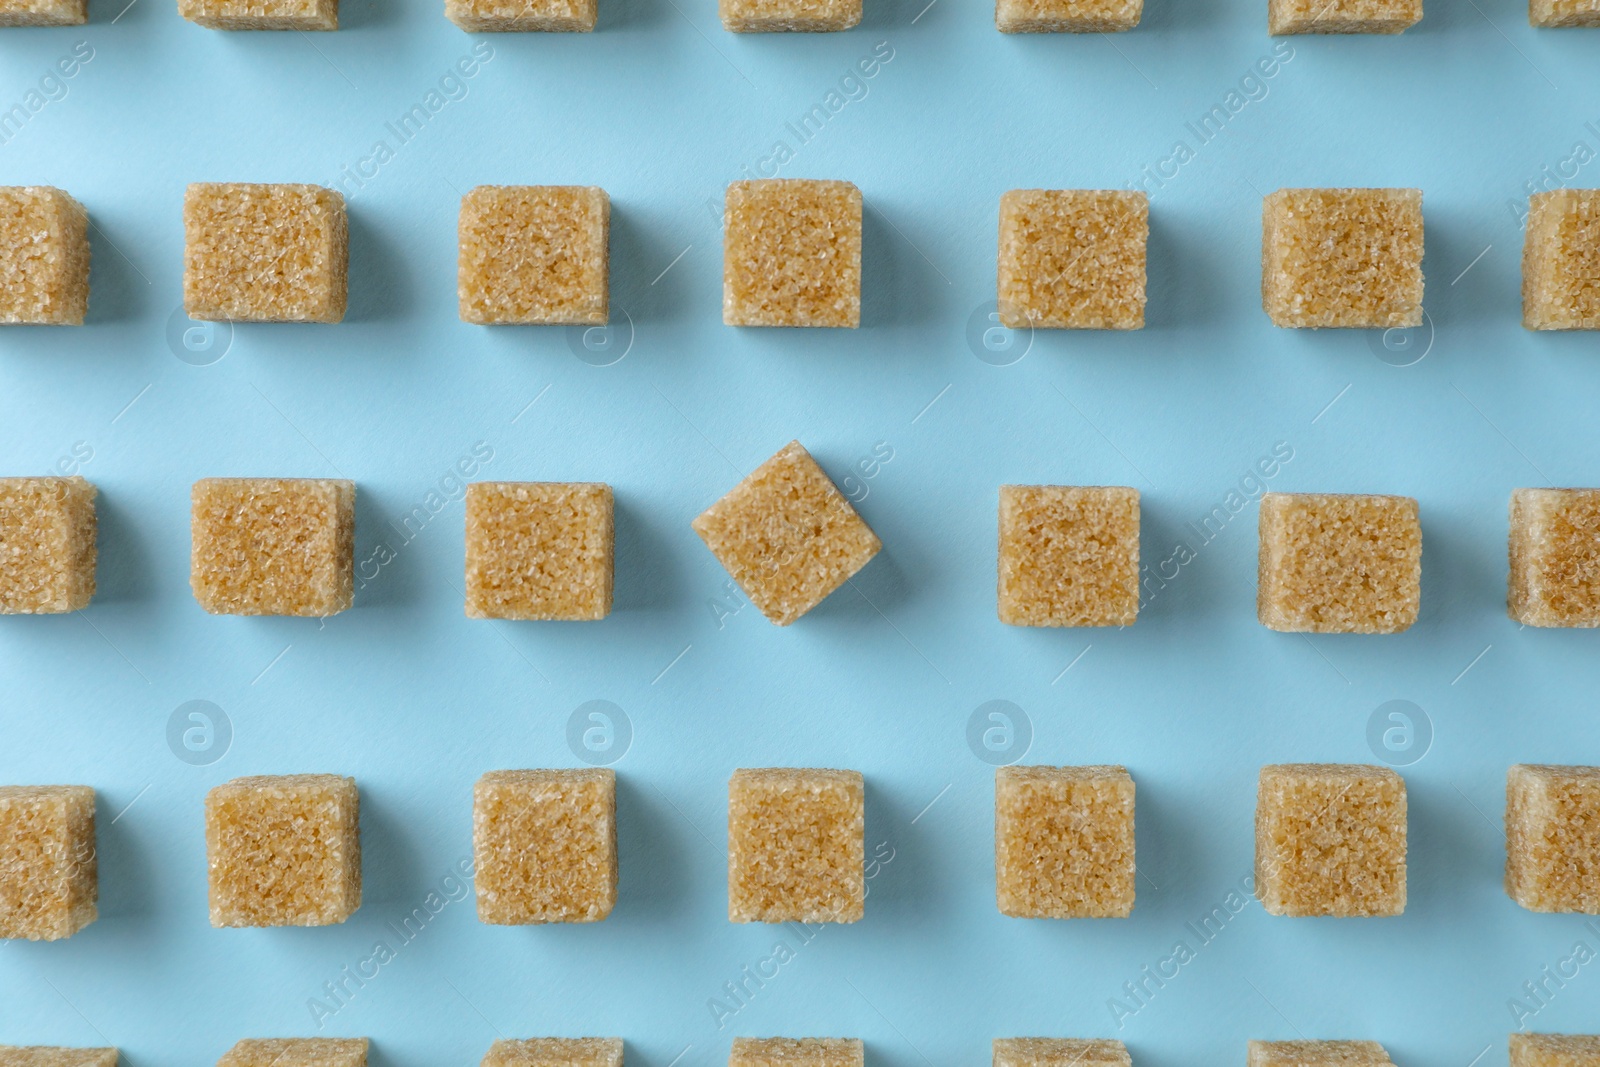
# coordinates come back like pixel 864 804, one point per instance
pixel 273 546
pixel 1317 1054
pixel 1069 555
pixel 1561 257
pixel 1335 563
pixel 50 1056
pixel 297 1052
pixel 1342 257
pixel 791 253
pixel 1067 16
pixel 1556 14
pixel 1553 838
pixel 44 233
pixel 539 550
pixel 49 870
pixel 1331 840
pixel 261 15
pixel 535 254
pixel 796 1052
pixel 284 850
pixel 788 16
pixel 555 1052
pixel 1342 16
pixel 522 16
pixel 545 845
pixel 264 253
pixel 796 846
pixel 1555 557
pixel 1063 842
pixel 47 545
pixel 787 535
pixel 1059 1052
pixel 1555 1050
pixel 1073 259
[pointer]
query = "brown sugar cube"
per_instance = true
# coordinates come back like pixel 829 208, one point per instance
pixel 796 846
pixel 1331 840
pixel 283 850
pixel 788 16
pixel 535 254
pixel 1555 1050
pixel 791 254
pixel 1339 563
pixel 44 12
pixel 297 1052
pixel 787 535
pixel 1555 557
pixel 539 550
pixel 1342 16
pixel 263 15
pixel 47 1056
pixel 1317 1054
pixel 796 1052
pixel 1559 14
pixel 1059 1052
pixel 555 1052
pixel 1069 555
pixel 1553 838
pixel 545 846
pixel 1067 16
pixel 47 545
pixel 44 233
pixel 522 16
pixel 1073 259
pixel 264 253
pixel 1342 257
pixel 1561 257
pixel 49 873
pixel 273 546
pixel 1063 842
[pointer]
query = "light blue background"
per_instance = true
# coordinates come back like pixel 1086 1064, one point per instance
pixel 661 107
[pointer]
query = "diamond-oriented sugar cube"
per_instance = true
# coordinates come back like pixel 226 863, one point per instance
pixel 264 253
pixel 1553 838
pixel 1339 563
pixel 1069 555
pixel 544 845
pixel 1342 257
pixel 47 545
pixel 1331 840
pixel 49 870
pixel 1063 842
pixel 792 253
pixel 1073 259
pixel 796 846
pixel 44 232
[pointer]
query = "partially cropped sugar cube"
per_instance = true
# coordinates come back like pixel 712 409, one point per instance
pixel 1342 16
pixel 1553 838
pixel 273 546
pixel 535 254
pixel 796 1052
pixel 1069 555
pixel 796 846
pixel 1561 257
pixel 544 845
pixel 1555 557
pixel 1317 1054
pixel 1063 842
pixel 791 253
pixel 1059 1052
pixel 261 15
pixel 1555 1050
pixel 49 873
pixel 50 1056
pixel 1557 14
pixel 522 16
pixel 555 1052
pixel 539 550
pixel 788 16
pixel 1073 259
pixel 1335 563
pixel 264 253
pixel 297 1052
pixel 787 535
pixel 44 232
pixel 47 545
pixel 1067 16
pixel 1342 257
pixel 1331 840
pixel 283 850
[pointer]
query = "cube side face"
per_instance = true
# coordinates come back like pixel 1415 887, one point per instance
pixel 555 1052
pixel 273 546
pixel 1342 16
pixel 545 846
pixel 283 850
pixel 49 868
pixel 1073 259
pixel 264 253
pixel 262 15
pixel 792 253
pixel 44 232
pixel 522 16
pixel 1555 1050
pixel 787 535
pixel 1561 260
pixel 1343 258
pixel 55 1056
pixel 47 539
pixel 1059 1052
pixel 1331 840
pixel 1339 563
pixel 1554 550
pixel 796 1052
pixel 539 550
pixel 1553 838
pixel 297 1052
pixel 1064 842
pixel 535 254
pixel 788 16
pixel 1068 555
pixel 1317 1054
pixel 1067 16
pixel 796 846
pixel 1561 14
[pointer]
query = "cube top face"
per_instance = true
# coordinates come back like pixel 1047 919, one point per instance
pixel 297 1052
pixel 539 550
pixel 1317 1054
pixel 1555 557
pixel 1561 258
pixel 792 253
pixel 1067 16
pixel 796 1052
pixel 51 1056
pixel 49 870
pixel 522 16
pixel 1059 1052
pixel 796 846
pixel 555 1052
pixel 44 233
pixel 262 15
pixel 43 13
pixel 535 254
pixel 47 545
pixel 1555 1050
pixel 1342 257
pixel 788 16
pixel 1073 258
pixel 1557 14
pixel 1069 555
pixel 1339 563
pixel 545 845
pixel 283 850
pixel 273 546
pixel 1331 840
pixel 1342 16
pixel 787 535
pixel 1553 838
pixel 1063 842
pixel 264 253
